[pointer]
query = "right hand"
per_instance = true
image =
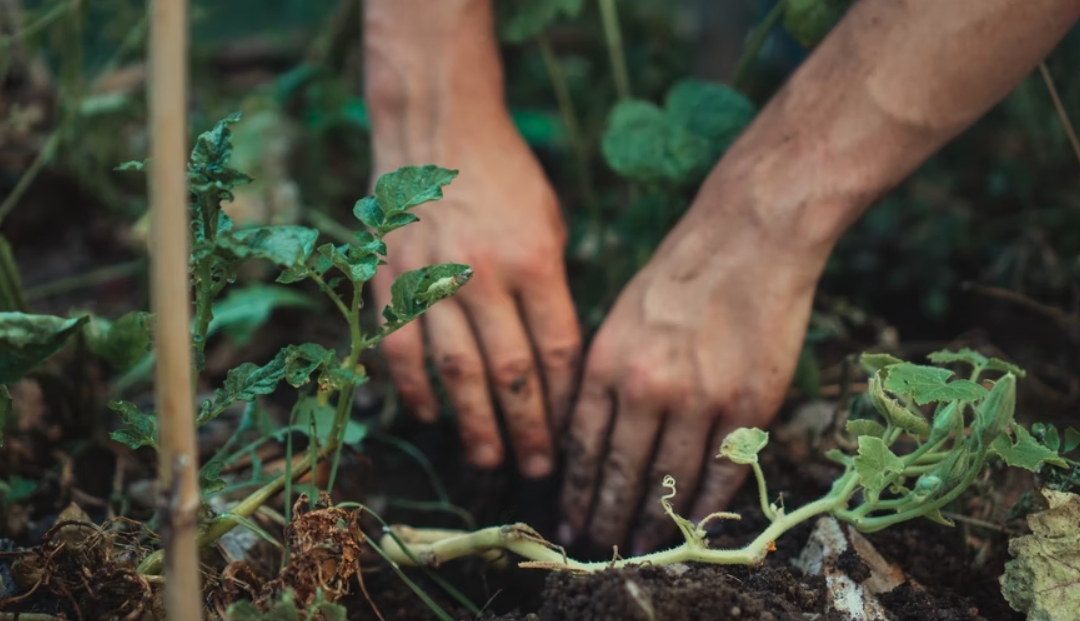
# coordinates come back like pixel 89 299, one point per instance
pixel 512 330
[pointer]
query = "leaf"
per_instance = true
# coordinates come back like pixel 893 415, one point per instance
pixel 1026 452
pixel 715 112
pixel 286 246
pixel 26 341
pixel 966 354
pixel 926 384
pixel 1072 440
pixel 532 17
pixel 243 311
pixel 875 463
pixel 1052 440
pixel 367 210
pixel 18 490
pixel 873 363
pixel 410 186
pixel 946 421
pixel 808 21
pixel 865 427
pixel 418 290
pixel 890 410
pixel 743 445
pixel 323 416
pixel 125 342
pixel 140 430
pixel 303 360
pixel 210 481
pixel 133 165
pixel 995 364
pixel 1043 579
pixel 994 414
pixel 641 143
pixel 357 264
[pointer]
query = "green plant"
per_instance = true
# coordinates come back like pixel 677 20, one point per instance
pixel 881 485
pixel 217 251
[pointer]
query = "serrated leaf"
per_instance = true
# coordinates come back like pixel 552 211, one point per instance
pixel 873 363
pixel 968 355
pixel 743 445
pixel 27 341
pixel 286 246
pixel 410 186
pixel 928 384
pixel 1043 579
pixel 865 427
pixel 140 429
pixel 243 311
pixel 875 463
pixel 532 17
pixel 124 342
pixel 1026 452
pixel 1072 440
pixel 890 410
pixel 210 481
pixel 415 291
pixel 356 264
pixel 715 112
pixel 641 143
pixel 303 360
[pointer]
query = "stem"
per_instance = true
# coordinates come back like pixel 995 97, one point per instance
pixel 179 502
pixel 54 14
pixel 763 491
pixel 609 13
pixel 570 122
pixel 204 310
pixel 12 297
pixel 1062 114
pixel 89 279
pixel 761 33
pixel 345 400
pixel 330 293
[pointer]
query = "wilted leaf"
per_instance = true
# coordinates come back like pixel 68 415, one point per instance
pixel 1026 452
pixel 240 313
pixel 743 445
pixel 140 429
pixel 1043 579
pixel 642 143
pixel 531 17
pixel 873 363
pixel 865 427
pixel 926 384
pixel 29 340
pixel 875 463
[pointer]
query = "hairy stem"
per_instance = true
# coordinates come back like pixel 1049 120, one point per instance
pixel 763 491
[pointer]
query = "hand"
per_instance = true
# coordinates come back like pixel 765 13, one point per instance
pixel 512 329
pixel 702 341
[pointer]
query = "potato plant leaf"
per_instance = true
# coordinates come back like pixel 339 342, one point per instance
pixel 410 186
pixel 27 341
pixel 240 313
pixel 140 429
pixel 743 445
pixel 303 360
pixel 122 343
pixel 321 417
pixel 1025 452
pixel 357 264
pixel 1043 579
pixel 532 17
pixel 418 290
pixel 286 246
pixel 927 384
pixel 875 463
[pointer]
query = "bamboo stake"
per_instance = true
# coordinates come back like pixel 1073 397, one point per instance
pixel 178 506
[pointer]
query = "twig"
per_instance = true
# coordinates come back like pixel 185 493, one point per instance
pixel 761 33
pixel 609 13
pixel 89 279
pixel 1062 114
pixel 179 503
pixel 1062 317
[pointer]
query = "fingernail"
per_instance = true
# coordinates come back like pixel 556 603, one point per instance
pixel 485 456
pixel 536 465
pixel 565 534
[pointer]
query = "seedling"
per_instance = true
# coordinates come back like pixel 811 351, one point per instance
pixel 906 466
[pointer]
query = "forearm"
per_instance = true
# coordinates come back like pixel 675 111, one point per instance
pixel 427 62
pixel 893 83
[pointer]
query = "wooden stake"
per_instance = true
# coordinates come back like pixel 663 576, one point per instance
pixel 179 502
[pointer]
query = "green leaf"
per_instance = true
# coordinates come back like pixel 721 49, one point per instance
pixel 367 210
pixel 873 363
pixel 927 384
pixel 357 264
pixel 876 464
pixel 418 290
pixel 743 445
pixel 715 112
pixel 18 490
pixel 322 415
pixel 133 165
pixel 1051 439
pixel 947 420
pixel 5 410
pixel 995 364
pixel 994 414
pixel 890 410
pixel 642 143
pixel 1043 579
pixel 1072 440
pixel 243 311
pixel 210 481
pixel 968 355
pixel 865 427
pixel 27 341
pixel 532 17
pixel 808 21
pixel 286 246
pixel 410 186
pixel 140 429
pixel 124 343
pixel 303 360
pixel 1026 452
pixel 838 456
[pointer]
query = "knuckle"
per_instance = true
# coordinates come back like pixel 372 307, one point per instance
pixel 512 374
pixel 458 367
pixel 561 354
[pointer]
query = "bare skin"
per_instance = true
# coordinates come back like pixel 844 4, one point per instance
pixel 705 337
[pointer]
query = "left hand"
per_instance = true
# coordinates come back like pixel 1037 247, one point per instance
pixel 702 341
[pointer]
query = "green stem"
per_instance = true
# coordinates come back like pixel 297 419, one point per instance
pixel 33 28
pixel 761 33
pixel 330 293
pixel 763 491
pixel 12 297
pixel 46 154
pixel 89 279
pixel 345 400
pixel 609 14
pixel 204 312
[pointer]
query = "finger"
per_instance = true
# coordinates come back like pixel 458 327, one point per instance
pixel 404 352
pixel 552 322
pixel 461 368
pixel 681 455
pixel 637 422
pixel 512 369
pixel 584 447
pixel 722 477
